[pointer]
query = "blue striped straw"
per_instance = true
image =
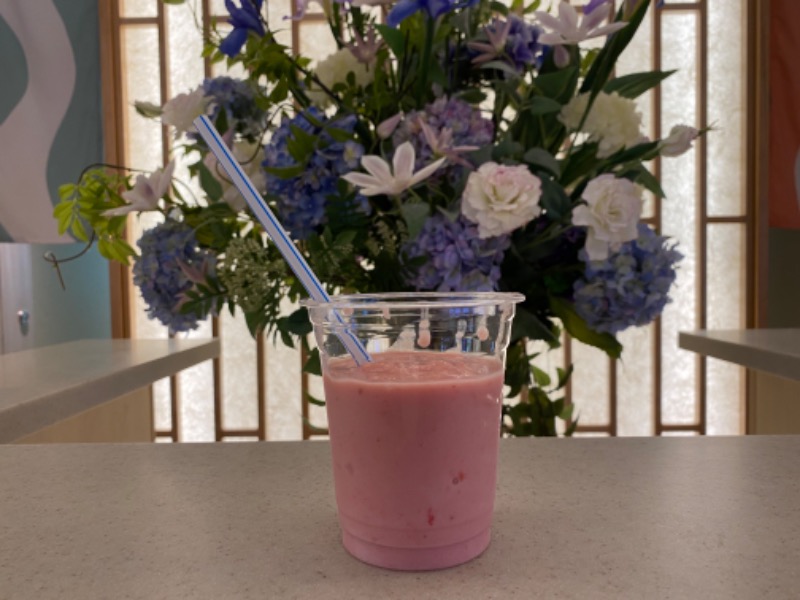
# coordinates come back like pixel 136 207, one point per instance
pixel 274 229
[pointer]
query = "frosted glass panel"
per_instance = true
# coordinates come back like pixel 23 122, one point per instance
pixel 277 11
pixel 635 382
pixel 679 219
pixel 638 57
pixel 726 300
pixel 726 108
pixel 284 415
pixel 138 8
pixel 239 376
pixel 196 403
pixel 217 7
pixel 726 387
pixel 162 411
pixel 141 82
pixel 316 41
pixel 590 382
pixel 185 42
pixel 725 276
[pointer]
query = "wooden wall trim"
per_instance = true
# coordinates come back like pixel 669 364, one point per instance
pixel 119 277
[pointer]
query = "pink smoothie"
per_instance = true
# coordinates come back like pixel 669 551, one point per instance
pixel 414 437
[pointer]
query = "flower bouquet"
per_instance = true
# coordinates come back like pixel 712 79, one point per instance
pixel 445 145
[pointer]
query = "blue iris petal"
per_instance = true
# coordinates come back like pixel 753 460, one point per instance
pixel 244 20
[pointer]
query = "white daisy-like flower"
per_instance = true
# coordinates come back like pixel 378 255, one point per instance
pixel 568 30
pixel 394 180
pixel 146 192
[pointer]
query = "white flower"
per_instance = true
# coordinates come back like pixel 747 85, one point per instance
pixel 334 69
pixel 146 192
pixel 183 109
pixel 567 31
pixel 382 180
pixel 250 156
pixel 613 122
pixel 386 128
pixel 612 211
pixel 679 141
pixel 501 198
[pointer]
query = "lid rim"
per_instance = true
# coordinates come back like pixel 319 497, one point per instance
pixel 415 299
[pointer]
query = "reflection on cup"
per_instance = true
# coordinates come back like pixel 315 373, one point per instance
pixel 414 433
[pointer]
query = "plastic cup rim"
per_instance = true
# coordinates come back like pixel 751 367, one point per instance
pixel 415 300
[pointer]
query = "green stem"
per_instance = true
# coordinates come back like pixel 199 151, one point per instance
pixel 430 30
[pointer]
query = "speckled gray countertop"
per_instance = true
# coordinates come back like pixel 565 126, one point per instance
pixel 582 518
pixel 775 351
pixel 42 386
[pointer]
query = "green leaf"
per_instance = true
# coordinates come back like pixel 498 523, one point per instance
pixel 79 231
pixel 541 378
pixel 296 323
pixel 300 144
pixel 636 84
pixel 580 330
pixel 606 60
pixel 472 96
pixel 528 325
pixel 499 65
pixel 210 184
pixel 315 401
pixel 539 157
pixel 414 214
pixel 287 172
pixel 148 109
pixel 642 176
pixel 313 365
pixel 563 376
pixel 558 83
pixel 566 412
pixel 541 105
pixel 554 200
pixel 393 38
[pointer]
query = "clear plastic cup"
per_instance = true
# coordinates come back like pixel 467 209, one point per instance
pixel 414 433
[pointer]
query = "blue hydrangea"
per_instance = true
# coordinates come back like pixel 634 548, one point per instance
pixel 458 260
pixel 629 288
pixel 168 251
pixel 237 98
pixel 302 198
pixel 465 122
pixel 522 45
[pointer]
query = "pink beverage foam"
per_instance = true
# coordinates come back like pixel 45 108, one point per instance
pixel 414 437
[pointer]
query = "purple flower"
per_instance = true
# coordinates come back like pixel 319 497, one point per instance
pixel 244 20
pixel 405 8
pixel 593 5
pixel 631 287
pixel 165 271
pixel 513 40
pixel 458 260
pixel 460 123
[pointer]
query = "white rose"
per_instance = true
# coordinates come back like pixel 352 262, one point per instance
pixel 183 109
pixel 334 69
pixel 501 198
pixel 679 141
pixel 613 122
pixel 612 211
pixel 250 156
